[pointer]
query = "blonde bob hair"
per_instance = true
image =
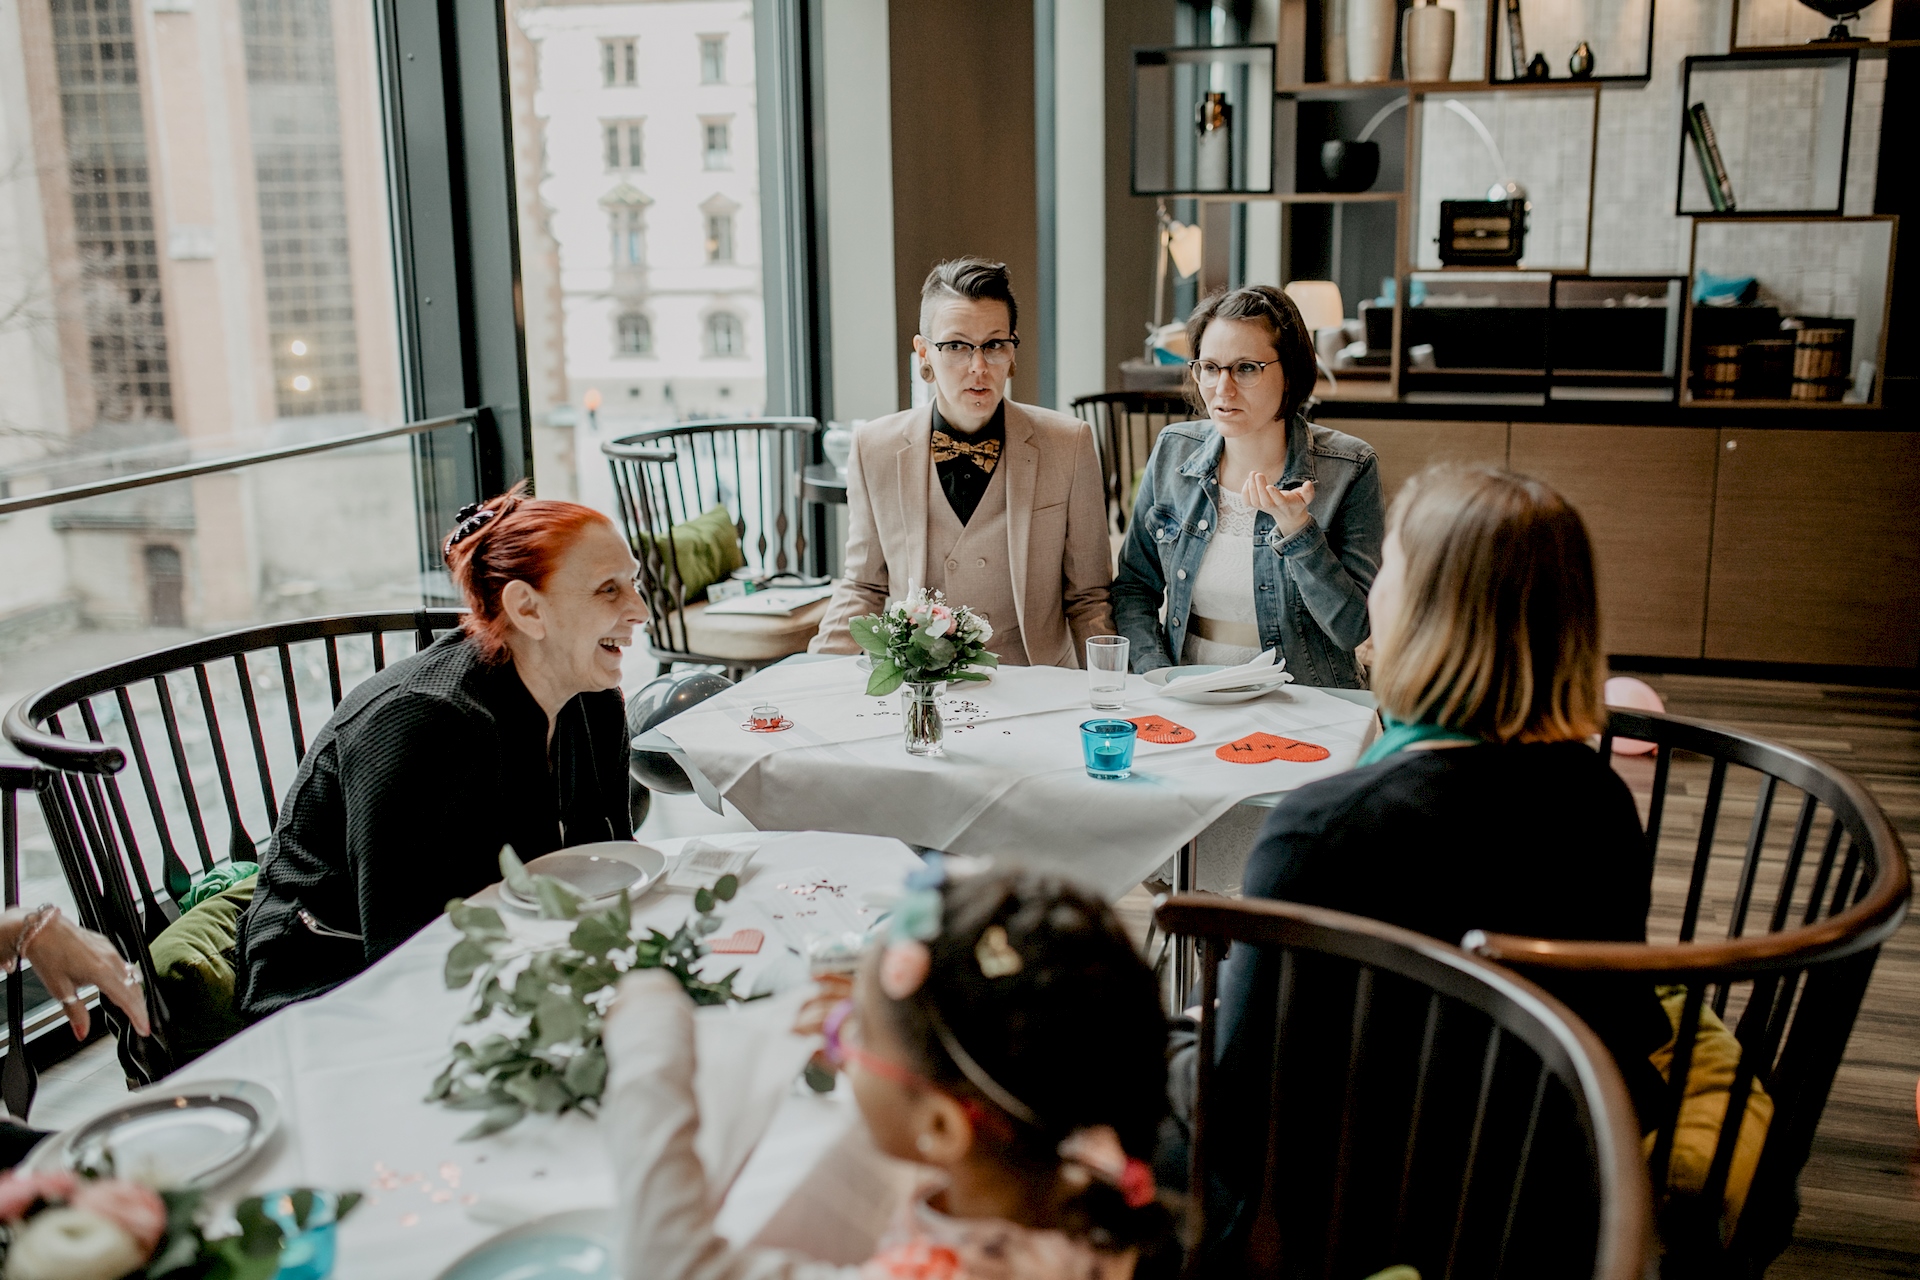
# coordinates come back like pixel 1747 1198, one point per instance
pixel 1498 632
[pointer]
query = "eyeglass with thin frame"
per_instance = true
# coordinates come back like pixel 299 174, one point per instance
pixel 1245 372
pixel 996 351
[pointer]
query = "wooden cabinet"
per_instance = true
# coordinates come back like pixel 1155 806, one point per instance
pixel 1646 494
pixel 1406 447
pixel 1816 548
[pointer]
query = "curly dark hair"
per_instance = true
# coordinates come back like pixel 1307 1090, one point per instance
pixel 1274 311
pixel 1077 1036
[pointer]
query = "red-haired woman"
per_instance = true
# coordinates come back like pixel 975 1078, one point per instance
pixel 510 731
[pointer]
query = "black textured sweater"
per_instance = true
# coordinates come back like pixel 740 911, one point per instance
pixel 403 802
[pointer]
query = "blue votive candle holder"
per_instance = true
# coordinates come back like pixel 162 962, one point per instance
pixel 1109 747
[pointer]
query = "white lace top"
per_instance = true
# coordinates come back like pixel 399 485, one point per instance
pixel 1223 587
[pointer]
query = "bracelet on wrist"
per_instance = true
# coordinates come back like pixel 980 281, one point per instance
pixel 37 919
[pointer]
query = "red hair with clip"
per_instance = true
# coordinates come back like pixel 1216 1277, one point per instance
pixel 511 537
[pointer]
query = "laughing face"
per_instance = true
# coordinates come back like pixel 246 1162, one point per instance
pixel 589 610
pixel 970 387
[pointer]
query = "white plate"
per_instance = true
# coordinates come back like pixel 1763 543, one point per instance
pixel 575 1245
pixel 1219 697
pixel 184 1135
pixel 596 872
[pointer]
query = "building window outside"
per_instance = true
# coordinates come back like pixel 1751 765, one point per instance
pixel 619 62
pixel 723 335
pixel 719 237
pixel 718 144
pixel 636 334
pixel 622 140
pixel 629 238
pixel 713 59
pixel 302 198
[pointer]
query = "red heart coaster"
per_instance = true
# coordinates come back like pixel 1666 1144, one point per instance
pixel 1161 729
pixel 741 942
pixel 1259 748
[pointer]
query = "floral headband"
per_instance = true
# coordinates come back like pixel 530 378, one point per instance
pixel 1091 1152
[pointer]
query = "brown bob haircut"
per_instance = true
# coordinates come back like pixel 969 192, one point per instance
pixel 1273 311
pixel 972 280
pixel 1498 634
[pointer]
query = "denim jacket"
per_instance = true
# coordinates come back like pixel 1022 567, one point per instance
pixel 1310 590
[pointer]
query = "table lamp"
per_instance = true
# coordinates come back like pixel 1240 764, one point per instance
pixel 1320 308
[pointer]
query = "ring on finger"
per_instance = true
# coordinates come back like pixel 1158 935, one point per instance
pixel 72 1000
pixel 133 976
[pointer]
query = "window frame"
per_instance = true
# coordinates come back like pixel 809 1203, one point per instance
pixel 644 349
pixel 707 153
pixel 715 45
pixel 737 339
pixel 623 144
pixel 619 63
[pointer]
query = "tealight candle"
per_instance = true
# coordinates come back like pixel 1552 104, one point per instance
pixel 765 716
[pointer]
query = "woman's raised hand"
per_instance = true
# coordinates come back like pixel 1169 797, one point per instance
pixel 1288 507
pixel 67 957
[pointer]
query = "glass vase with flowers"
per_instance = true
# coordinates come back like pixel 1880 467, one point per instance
pixel 917 645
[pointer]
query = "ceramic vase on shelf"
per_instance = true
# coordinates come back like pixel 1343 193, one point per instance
pixel 1333 43
pixel 1370 30
pixel 1213 148
pixel 920 708
pixel 1428 42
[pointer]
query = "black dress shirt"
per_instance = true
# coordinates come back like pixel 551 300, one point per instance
pixel 964 479
pixel 403 802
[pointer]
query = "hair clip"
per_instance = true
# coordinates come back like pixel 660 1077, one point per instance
pixel 1097 1150
pixel 995 955
pixel 470 520
pixel 903 968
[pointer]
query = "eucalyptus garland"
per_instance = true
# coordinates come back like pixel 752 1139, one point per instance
pixel 545 1054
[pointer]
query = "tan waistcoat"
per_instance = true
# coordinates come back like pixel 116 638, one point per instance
pixel 969 562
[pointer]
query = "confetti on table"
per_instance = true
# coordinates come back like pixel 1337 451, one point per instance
pixel 409 1219
pixel 1259 748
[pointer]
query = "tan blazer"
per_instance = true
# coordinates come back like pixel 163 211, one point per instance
pixel 1057 550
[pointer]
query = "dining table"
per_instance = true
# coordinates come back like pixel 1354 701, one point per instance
pixel 351 1070
pixel 1011 782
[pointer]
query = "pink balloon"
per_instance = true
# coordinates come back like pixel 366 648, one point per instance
pixel 1636 695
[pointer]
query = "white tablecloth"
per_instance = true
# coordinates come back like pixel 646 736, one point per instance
pixel 352 1067
pixel 1013 782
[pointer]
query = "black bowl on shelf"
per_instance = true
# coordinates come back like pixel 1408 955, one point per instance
pixel 1349 166
pixel 1840 11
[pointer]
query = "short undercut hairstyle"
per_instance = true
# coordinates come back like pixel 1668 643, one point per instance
pixel 970 280
pixel 1273 311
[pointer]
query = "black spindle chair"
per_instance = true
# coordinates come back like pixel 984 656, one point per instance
pixel 1125 425
pixel 1423 1107
pixel 19 1080
pixel 1776 933
pixel 209 786
pixel 754 468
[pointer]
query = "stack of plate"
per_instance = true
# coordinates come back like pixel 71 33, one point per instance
pixel 1256 686
pixel 186 1135
pixel 597 872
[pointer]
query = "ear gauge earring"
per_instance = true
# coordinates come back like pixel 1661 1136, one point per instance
pixel 926 373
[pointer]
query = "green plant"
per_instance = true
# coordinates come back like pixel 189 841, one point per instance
pixel 546 1055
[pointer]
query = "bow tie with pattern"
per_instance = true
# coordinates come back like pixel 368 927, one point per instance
pixel 984 454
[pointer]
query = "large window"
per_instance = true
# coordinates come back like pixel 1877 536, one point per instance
pixel 627 277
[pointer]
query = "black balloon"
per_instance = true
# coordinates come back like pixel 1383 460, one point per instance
pixel 663 698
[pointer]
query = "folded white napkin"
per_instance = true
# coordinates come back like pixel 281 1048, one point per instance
pixel 1264 670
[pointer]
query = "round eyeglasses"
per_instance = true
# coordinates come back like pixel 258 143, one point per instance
pixel 996 351
pixel 1245 372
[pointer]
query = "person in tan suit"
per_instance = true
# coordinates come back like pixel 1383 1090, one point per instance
pixel 999 505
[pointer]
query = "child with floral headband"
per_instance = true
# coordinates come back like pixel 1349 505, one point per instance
pixel 1005 1035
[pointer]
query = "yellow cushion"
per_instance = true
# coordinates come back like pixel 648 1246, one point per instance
pixel 705 549
pixel 742 637
pixel 1716 1056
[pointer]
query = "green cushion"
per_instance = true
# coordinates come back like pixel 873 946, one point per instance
pixel 704 549
pixel 193 960
pixel 218 880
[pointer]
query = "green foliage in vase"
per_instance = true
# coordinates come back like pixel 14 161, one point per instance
pixel 923 640
pixel 545 1054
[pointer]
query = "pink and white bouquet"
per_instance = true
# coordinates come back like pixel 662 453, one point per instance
pixel 923 640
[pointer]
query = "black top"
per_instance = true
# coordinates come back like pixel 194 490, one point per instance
pixel 965 477
pixel 1540 839
pixel 403 802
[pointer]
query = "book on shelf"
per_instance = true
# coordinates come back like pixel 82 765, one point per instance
pixel 1706 149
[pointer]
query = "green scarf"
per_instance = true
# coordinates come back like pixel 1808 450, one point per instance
pixel 1399 736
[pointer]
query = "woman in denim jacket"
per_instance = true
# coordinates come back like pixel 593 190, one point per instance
pixel 1297 554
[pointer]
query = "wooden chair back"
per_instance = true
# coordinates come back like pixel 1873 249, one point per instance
pixel 1774 929
pixel 1125 426
pixel 215 728
pixel 1425 1108
pixel 754 467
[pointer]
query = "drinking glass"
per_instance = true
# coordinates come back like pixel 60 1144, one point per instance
pixel 1107 672
pixel 1108 745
